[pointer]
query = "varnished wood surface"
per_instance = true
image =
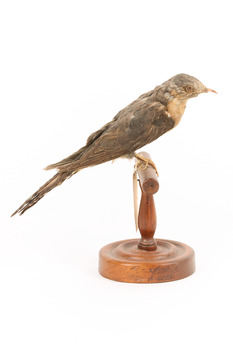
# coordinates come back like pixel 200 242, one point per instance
pixel 123 261
pixel 147 222
pixel 147 260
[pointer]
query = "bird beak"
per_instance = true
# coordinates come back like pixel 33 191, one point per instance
pixel 209 90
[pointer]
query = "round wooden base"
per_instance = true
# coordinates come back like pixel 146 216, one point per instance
pixel 123 261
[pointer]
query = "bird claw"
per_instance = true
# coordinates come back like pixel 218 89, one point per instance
pixel 143 163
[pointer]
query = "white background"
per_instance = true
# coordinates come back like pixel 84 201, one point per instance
pixel 66 68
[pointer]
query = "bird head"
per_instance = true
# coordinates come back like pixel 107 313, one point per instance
pixel 187 86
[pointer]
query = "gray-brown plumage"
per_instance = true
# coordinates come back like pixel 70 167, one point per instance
pixel 141 122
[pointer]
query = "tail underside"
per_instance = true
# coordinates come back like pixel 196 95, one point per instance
pixel 55 181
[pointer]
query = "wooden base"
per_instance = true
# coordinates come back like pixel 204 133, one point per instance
pixel 123 261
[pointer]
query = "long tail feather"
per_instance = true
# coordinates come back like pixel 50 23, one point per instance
pixel 55 181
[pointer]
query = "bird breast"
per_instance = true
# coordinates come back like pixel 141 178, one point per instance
pixel 176 108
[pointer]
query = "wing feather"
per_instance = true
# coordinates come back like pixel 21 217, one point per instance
pixel 124 135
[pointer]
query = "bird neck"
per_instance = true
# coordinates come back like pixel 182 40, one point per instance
pixel 176 108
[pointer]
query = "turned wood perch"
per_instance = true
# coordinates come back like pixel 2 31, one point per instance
pixel 146 260
pixel 147 220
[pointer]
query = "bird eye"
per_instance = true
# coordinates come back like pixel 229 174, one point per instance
pixel 188 88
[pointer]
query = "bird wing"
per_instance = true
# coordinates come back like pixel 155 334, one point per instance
pixel 131 129
pixel 77 155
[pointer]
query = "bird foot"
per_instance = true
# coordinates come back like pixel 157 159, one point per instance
pixel 143 163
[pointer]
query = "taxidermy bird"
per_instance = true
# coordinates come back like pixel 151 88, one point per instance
pixel 141 122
